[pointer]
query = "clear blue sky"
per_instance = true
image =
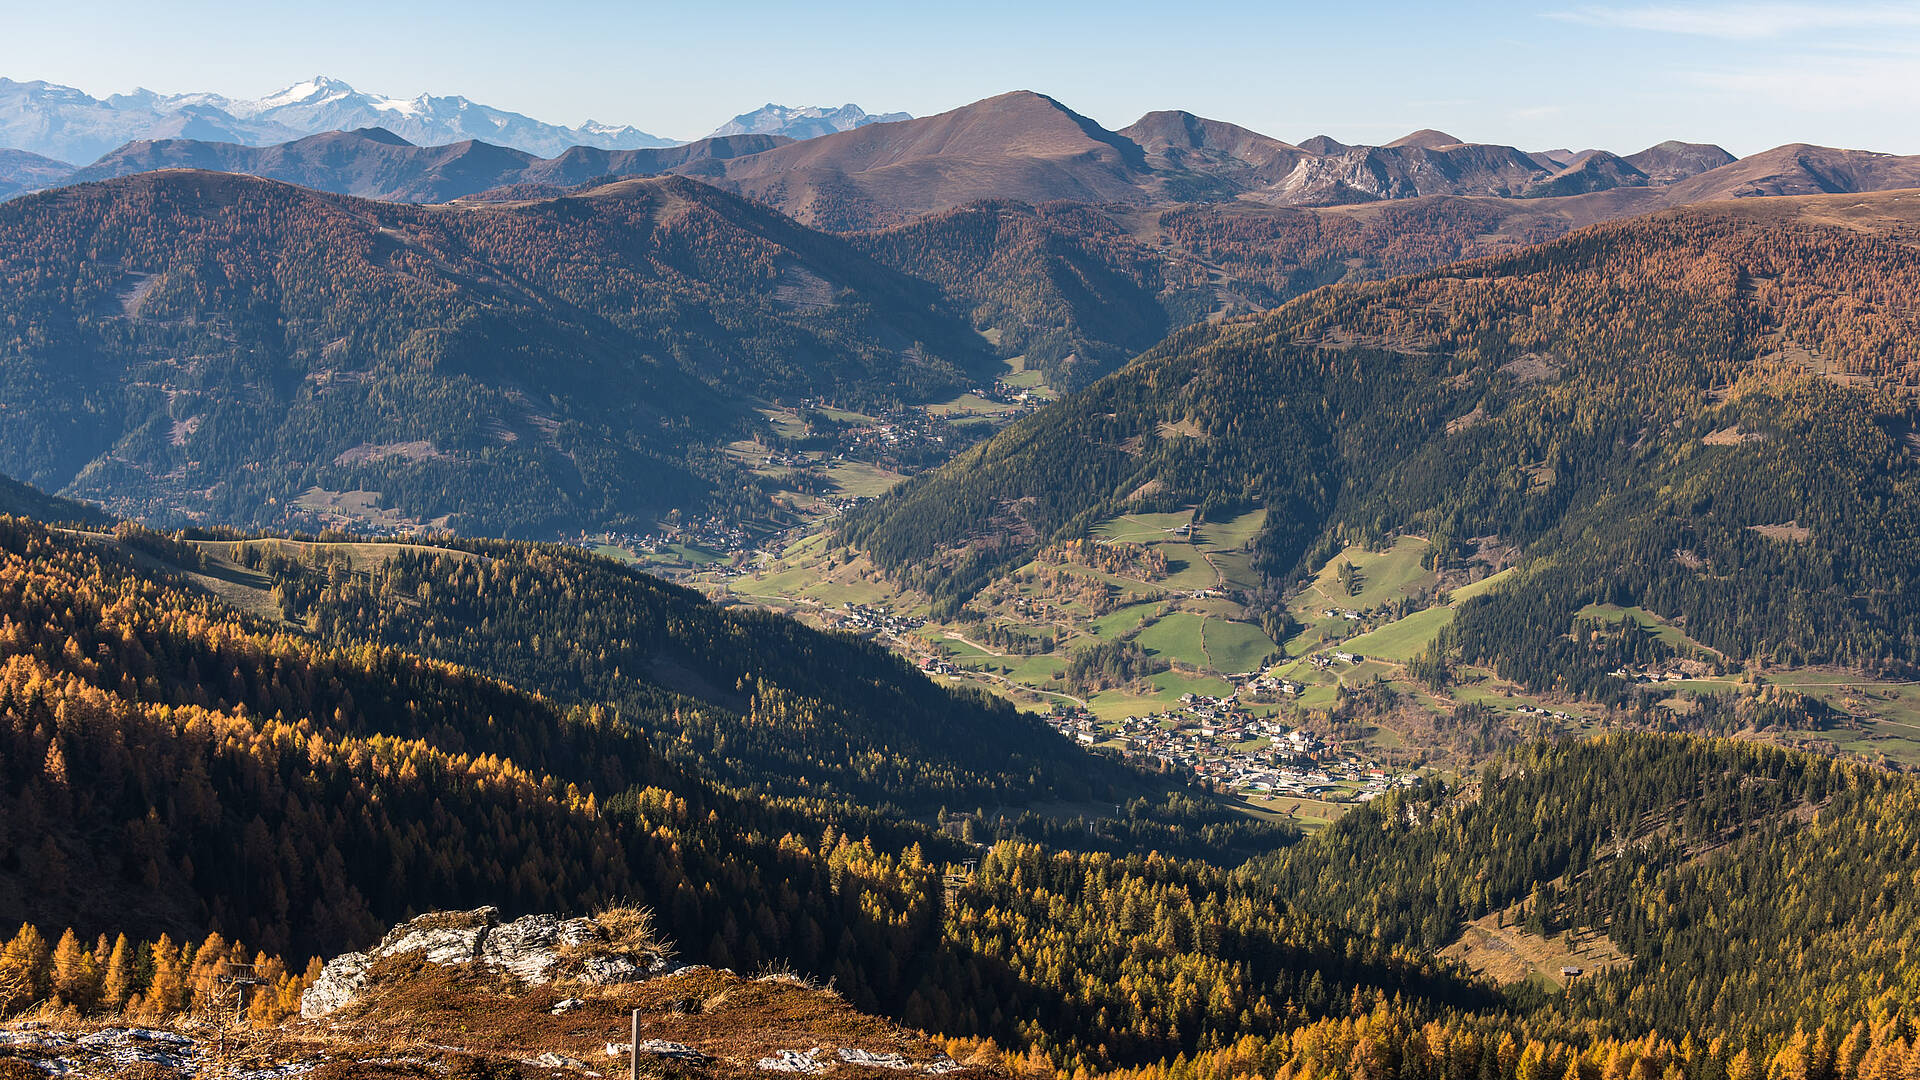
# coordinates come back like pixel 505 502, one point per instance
pixel 1618 75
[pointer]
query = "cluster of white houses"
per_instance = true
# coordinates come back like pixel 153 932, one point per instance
pixel 1647 676
pixel 1218 741
pixel 877 617
pixel 715 534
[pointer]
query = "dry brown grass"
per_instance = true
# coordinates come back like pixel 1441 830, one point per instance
pixel 1531 368
pixel 631 928
pixel 1731 436
pixel 416 1009
pixel 1509 954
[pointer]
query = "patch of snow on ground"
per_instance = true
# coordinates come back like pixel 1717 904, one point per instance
pixel 795 1061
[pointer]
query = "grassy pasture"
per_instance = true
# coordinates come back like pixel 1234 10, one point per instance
pixel 1143 528
pixel 1614 615
pixel 1179 636
pixel 857 479
pixel 1404 639
pixel 1233 647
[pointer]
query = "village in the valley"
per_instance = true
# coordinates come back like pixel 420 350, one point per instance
pixel 1235 733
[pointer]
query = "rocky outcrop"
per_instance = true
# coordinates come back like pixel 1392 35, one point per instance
pixel 535 949
pixel 531 949
pixel 339 984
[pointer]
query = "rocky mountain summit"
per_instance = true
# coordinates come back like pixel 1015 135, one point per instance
pixel 466 994
pixel 557 996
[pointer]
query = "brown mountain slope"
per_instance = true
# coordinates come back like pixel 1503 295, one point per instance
pixel 426 1015
pixel 1595 170
pixel 1175 139
pixel 1798 169
pixel 21 172
pixel 1022 145
pixel 1027 147
pixel 1425 139
pixel 1672 160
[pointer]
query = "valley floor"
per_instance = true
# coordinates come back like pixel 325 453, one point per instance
pixel 1227 700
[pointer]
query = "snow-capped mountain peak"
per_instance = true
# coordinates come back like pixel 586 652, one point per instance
pixel 804 122
pixel 594 127
pixel 65 123
pixel 405 106
pixel 319 90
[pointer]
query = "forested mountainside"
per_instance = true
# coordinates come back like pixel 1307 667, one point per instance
pixel 1756 894
pixel 738 696
pixel 752 699
pixel 25 500
pixel 203 346
pixel 1702 411
pixel 195 347
pixel 1064 285
pixel 1079 291
pixel 173 767
pixel 1756 890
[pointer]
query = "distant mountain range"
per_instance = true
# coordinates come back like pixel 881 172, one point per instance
pixel 62 122
pixel 845 169
pixel 375 163
pixel 66 124
pixel 810 122
pixel 1029 147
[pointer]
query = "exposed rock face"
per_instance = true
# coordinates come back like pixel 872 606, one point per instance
pixel 534 948
pixel 528 947
pixel 339 983
pixel 614 969
pixel 452 938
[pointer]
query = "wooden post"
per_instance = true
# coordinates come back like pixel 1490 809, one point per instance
pixel 635 1066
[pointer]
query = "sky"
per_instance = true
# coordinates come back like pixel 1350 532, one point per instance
pixel 1542 75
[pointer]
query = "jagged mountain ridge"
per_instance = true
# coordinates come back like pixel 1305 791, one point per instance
pixel 807 122
pixel 66 123
pixel 328 104
pixel 1027 147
